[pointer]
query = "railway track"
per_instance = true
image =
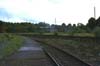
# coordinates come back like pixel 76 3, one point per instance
pixel 61 58
pixel 29 54
pixel 54 62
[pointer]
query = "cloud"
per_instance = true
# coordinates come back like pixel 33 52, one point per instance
pixel 73 11
pixel 4 13
pixel 56 1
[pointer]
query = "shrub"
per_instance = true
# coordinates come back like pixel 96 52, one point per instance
pixel 9 43
pixel 55 34
pixel 96 31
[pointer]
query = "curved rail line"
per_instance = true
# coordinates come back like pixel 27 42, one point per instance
pixel 61 57
pixel 52 58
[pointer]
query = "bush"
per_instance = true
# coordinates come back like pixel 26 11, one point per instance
pixel 9 44
pixel 55 34
pixel 96 31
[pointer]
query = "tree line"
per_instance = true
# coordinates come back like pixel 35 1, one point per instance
pixel 93 25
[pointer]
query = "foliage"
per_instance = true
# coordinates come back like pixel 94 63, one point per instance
pixel 91 23
pixel 87 50
pixel 9 43
pixel 98 22
pixel 55 34
pixel 42 27
pixel 96 31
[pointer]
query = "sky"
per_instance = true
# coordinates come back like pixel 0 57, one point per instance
pixel 65 11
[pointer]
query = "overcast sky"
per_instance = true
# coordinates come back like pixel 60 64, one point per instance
pixel 65 11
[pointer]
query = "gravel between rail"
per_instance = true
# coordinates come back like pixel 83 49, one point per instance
pixel 63 58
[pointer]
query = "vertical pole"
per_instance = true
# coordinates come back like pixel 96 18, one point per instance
pixel 55 25
pixel 94 12
pixel 55 21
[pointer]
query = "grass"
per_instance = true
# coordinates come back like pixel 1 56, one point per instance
pixel 85 50
pixel 75 34
pixel 9 43
pixel 59 33
pixel 84 34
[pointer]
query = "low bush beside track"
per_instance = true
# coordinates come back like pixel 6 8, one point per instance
pixel 86 50
pixel 9 43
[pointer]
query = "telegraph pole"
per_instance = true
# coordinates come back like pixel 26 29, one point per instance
pixel 94 12
pixel 94 8
pixel 55 25
pixel 55 21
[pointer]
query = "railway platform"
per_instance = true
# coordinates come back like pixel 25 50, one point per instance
pixel 30 54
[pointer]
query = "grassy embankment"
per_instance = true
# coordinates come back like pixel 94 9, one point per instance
pixel 9 43
pixel 58 34
pixel 86 50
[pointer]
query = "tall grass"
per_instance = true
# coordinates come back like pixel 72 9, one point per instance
pixel 9 43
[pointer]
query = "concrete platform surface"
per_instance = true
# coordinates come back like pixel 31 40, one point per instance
pixel 30 54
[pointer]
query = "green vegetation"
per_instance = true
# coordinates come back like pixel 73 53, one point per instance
pixel 42 28
pixel 9 43
pixel 96 31
pixel 87 50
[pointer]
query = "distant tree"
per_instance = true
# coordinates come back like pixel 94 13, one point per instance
pixel 74 25
pixel 63 27
pixel 98 22
pixel 96 31
pixel 91 23
pixel 1 26
pixel 63 24
pixel 69 27
pixel 82 28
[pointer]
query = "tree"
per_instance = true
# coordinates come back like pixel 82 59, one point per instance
pixel 1 26
pixel 98 22
pixel 69 27
pixel 74 25
pixel 63 27
pixel 91 23
pixel 96 31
